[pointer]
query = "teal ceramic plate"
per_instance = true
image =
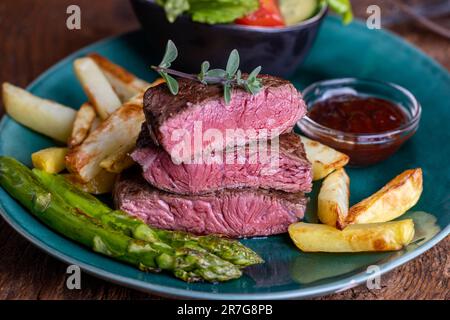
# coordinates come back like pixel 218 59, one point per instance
pixel 352 51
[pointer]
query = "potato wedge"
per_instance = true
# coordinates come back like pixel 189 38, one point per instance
pixel 96 87
pixel 102 183
pixel 44 116
pixel 50 160
pixel 124 83
pixel 118 161
pixel 82 124
pixel 387 236
pixel 323 158
pixel 119 131
pixel 391 201
pixel 333 198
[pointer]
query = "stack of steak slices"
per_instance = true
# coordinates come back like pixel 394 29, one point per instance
pixel 249 185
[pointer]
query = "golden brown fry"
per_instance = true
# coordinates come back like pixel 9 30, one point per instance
pixel 119 131
pixel 95 124
pixel 102 183
pixel 332 208
pixel 118 161
pixel 50 160
pixel 44 116
pixel 96 87
pixel 324 159
pixel 82 125
pixel 391 201
pixel 125 84
pixel 386 236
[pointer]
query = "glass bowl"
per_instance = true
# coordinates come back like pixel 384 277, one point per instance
pixel 363 149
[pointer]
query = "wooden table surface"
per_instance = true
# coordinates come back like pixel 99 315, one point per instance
pixel 33 37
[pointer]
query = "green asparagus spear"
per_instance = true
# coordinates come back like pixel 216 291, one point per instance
pixel 185 263
pixel 230 250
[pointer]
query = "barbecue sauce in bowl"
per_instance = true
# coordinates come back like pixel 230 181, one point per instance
pixel 358 115
pixel 367 128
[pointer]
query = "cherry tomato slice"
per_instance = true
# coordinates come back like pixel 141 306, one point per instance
pixel 268 15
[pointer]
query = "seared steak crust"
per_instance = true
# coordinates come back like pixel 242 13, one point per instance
pixel 232 213
pixel 276 108
pixel 287 170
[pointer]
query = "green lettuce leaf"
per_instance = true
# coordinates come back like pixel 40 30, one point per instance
pixel 209 11
pixel 221 11
pixel 174 8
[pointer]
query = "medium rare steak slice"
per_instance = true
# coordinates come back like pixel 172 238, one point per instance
pixel 232 213
pixel 282 168
pixel 176 121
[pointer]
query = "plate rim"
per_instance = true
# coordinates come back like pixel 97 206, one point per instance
pixel 168 291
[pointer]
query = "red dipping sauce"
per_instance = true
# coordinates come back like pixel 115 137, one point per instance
pixel 368 120
pixel 355 114
pixel 364 128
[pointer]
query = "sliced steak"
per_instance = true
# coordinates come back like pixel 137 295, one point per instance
pixel 232 213
pixel 174 121
pixel 283 167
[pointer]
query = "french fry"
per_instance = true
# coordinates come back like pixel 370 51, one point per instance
pixel 332 208
pixel 102 183
pixel 124 83
pixel 96 87
pixel 119 131
pixel 387 236
pixel 95 124
pixel 44 116
pixel 118 161
pixel 391 201
pixel 324 159
pixel 50 160
pixel 82 124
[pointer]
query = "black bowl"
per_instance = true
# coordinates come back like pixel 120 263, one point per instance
pixel 278 50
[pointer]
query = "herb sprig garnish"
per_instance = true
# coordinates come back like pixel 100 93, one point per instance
pixel 228 78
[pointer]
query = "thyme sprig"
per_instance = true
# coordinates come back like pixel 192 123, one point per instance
pixel 228 78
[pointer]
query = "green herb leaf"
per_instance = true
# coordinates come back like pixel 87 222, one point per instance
pixel 228 78
pixel 233 63
pixel 170 55
pixel 205 67
pixel 239 79
pixel 203 70
pixel 171 83
pixel 254 73
pixel 216 73
pixel 227 93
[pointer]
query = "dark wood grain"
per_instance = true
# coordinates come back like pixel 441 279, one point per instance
pixel 33 37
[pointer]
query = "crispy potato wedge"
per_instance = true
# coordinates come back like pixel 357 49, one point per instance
pixel 118 132
pixel 102 183
pixel 96 87
pixel 44 116
pixel 82 124
pixel 124 83
pixel 323 158
pixel 386 236
pixel 332 202
pixel 118 161
pixel 391 201
pixel 50 160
